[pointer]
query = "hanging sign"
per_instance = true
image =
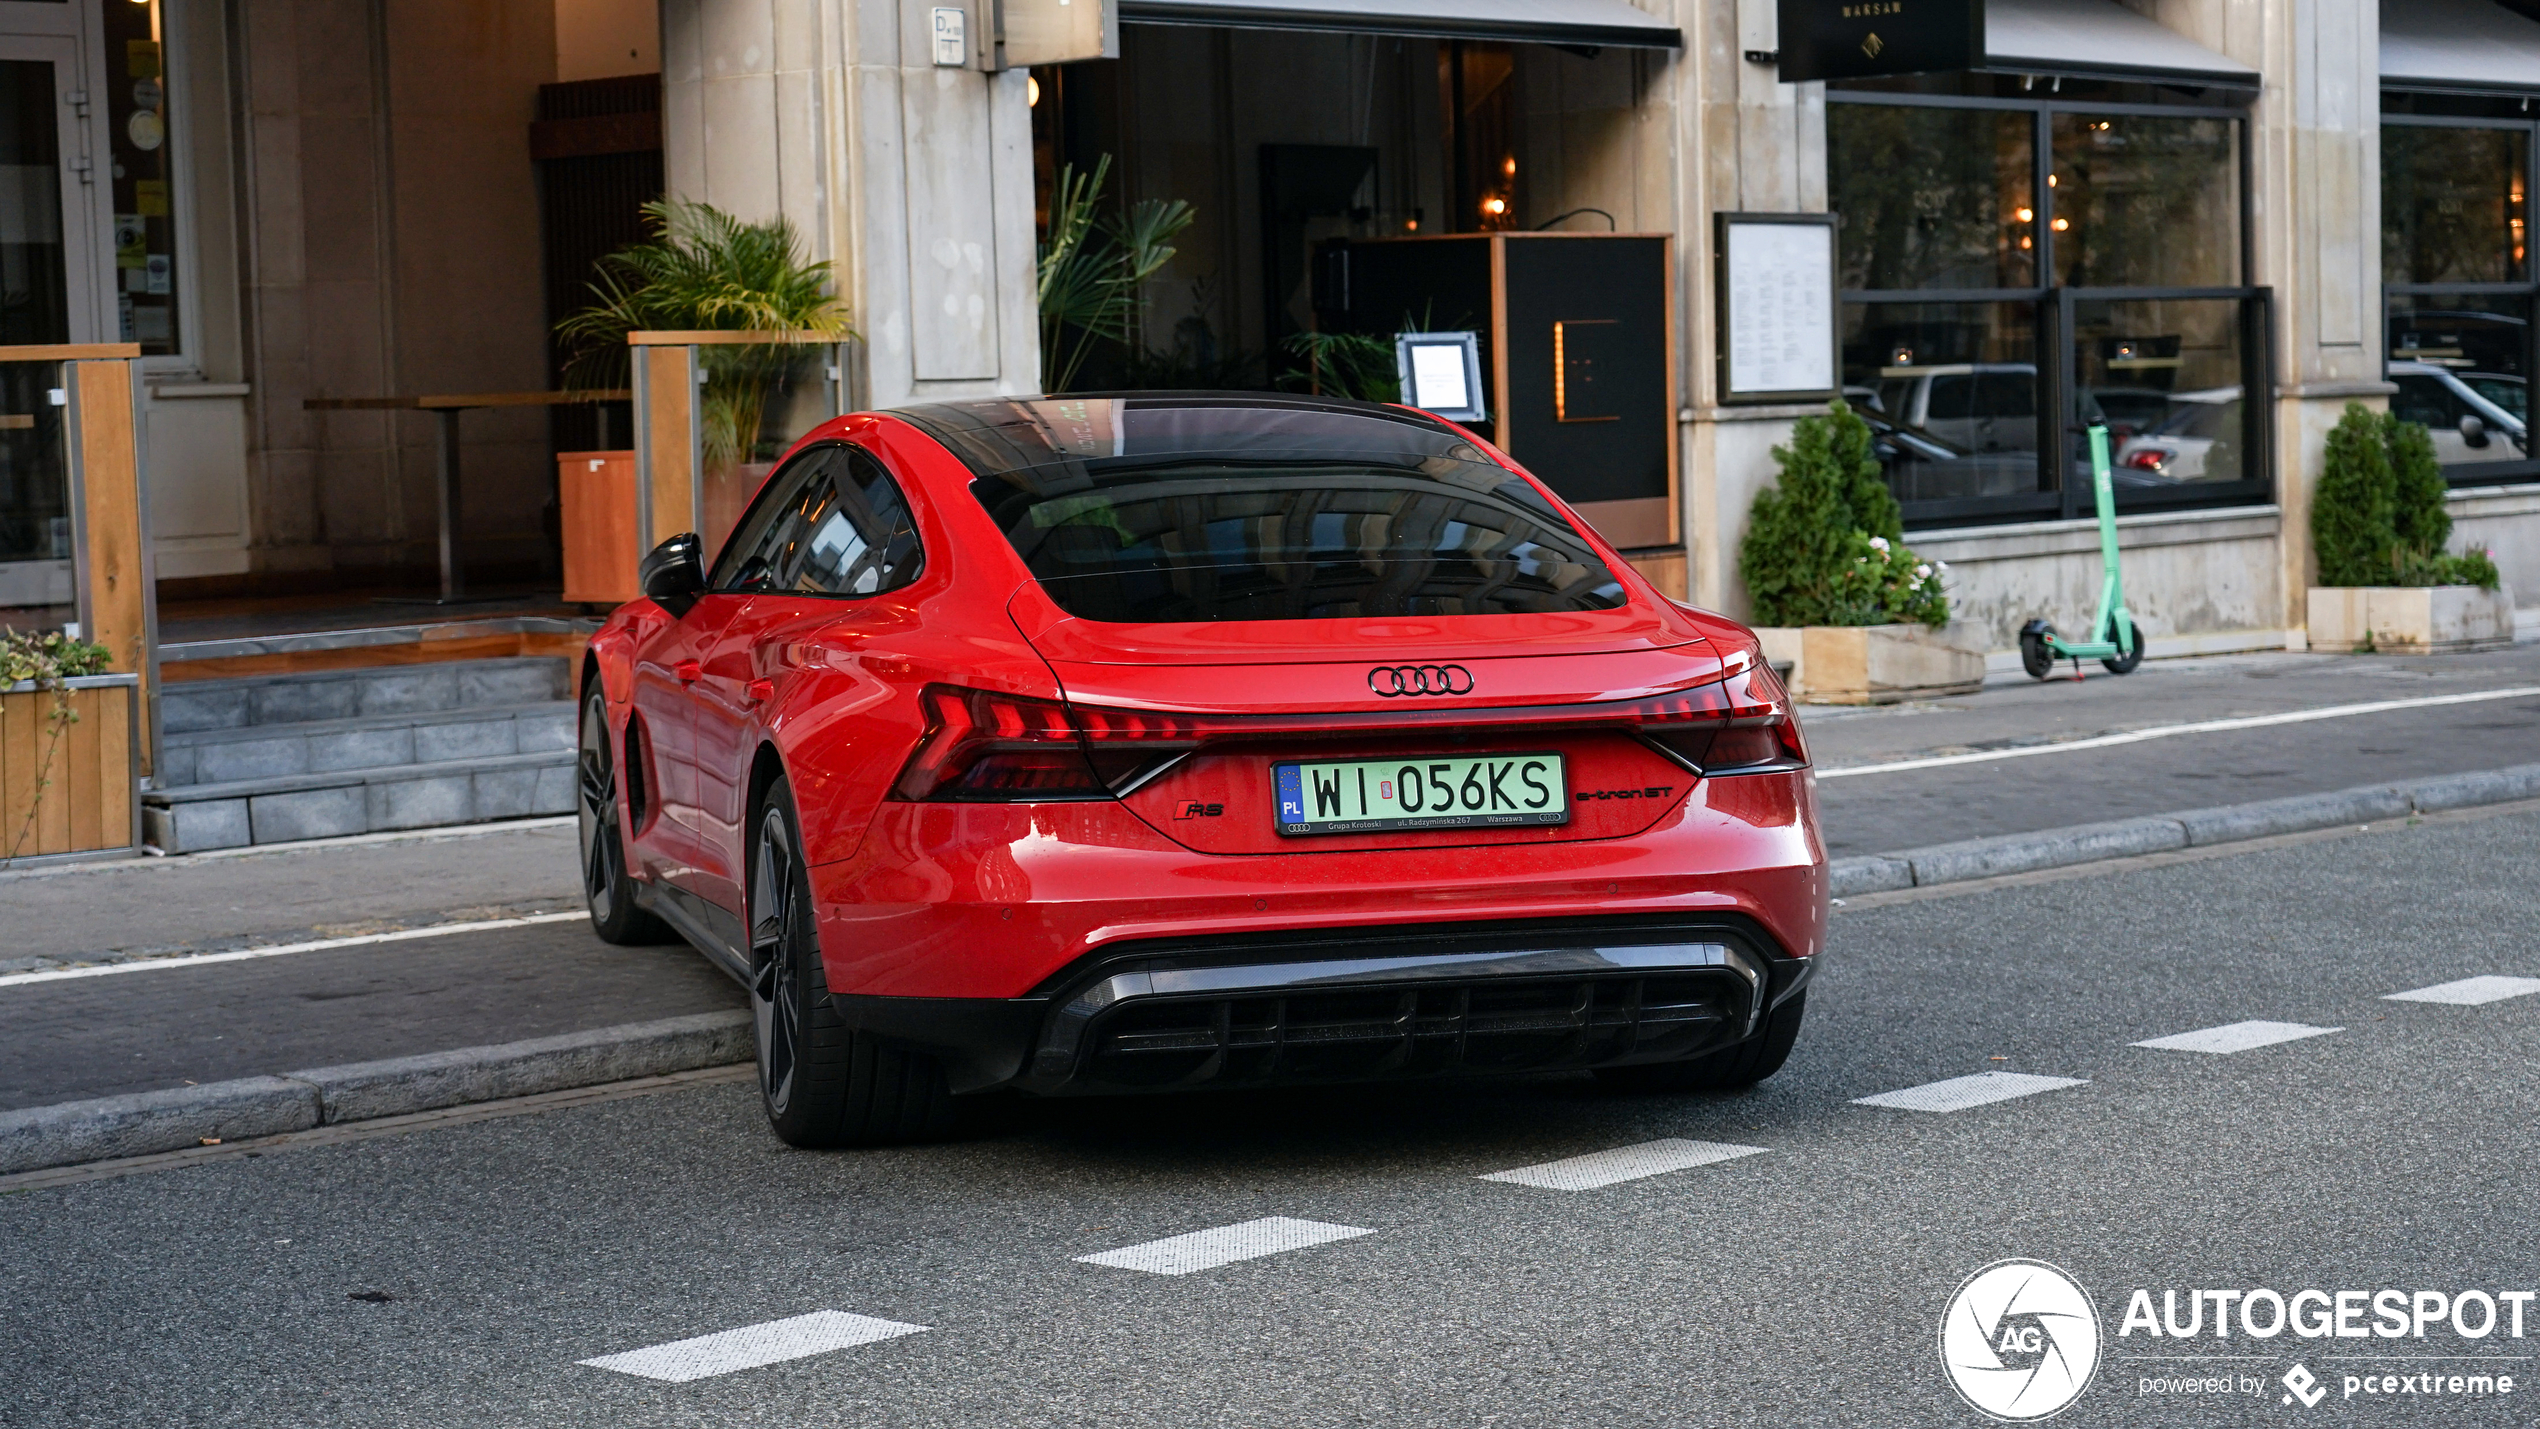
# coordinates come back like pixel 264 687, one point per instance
pixel 1048 32
pixel 1777 307
pixel 1863 39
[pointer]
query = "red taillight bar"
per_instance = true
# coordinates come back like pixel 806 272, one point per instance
pixel 983 745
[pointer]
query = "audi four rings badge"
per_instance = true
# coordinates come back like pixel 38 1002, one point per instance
pixel 1391 680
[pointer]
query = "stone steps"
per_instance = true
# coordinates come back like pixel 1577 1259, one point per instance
pixel 195 817
pixel 270 759
pixel 268 751
pixel 243 701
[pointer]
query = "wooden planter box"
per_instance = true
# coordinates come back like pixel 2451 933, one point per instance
pixel 89 799
pixel 596 491
pixel 2411 620
pixel 1876 664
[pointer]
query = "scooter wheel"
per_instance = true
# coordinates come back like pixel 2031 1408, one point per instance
pixel 2037 652
pixel 2127 656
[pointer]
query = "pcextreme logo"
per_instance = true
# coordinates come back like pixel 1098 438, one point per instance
pixel 2020 1340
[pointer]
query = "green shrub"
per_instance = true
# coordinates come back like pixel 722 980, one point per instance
pixel 2351 530
pixel 1825 543
pixel 2378 517
pixel 2417 514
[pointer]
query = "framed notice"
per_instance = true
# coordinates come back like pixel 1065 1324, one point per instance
pixel 1777 307
pixel 1441 374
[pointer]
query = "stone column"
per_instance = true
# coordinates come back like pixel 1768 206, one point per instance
pixel 914 181
pixel 1746 143
pixel 2315 186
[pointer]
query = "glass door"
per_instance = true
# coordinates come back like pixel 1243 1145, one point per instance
pixel 46 290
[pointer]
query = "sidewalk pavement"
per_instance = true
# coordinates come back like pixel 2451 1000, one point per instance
pixel 1867 809
pixel 161 1030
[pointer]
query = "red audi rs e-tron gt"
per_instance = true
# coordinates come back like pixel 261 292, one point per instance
pixel 1156 742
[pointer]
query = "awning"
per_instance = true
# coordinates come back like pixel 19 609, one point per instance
pixel 1545 22
pixel 2101 39
pixel 2458 45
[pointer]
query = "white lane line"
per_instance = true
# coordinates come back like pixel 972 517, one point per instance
pixel 1960 1093
pixel 1624 1163
pixel 2209 726
pixel 2237 1037
pixel 196 960
pixel 1206 1250
pixel 754 1345
pixel 2471 991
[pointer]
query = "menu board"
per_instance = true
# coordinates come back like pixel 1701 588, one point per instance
pixel 1777 307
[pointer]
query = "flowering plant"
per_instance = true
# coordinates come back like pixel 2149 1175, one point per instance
pixel 1886 584
pixel 1825 543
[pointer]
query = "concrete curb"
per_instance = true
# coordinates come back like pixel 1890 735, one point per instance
pixel 144 1123
pixel 2195 828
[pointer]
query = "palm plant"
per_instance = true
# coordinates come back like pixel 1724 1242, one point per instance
pixel 705 269
pixel 1093 269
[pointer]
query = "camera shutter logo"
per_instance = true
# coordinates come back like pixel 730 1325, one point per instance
pixel 2020 1340
pixel 1389 681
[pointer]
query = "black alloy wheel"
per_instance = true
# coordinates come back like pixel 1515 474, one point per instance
pixel 776 1000
pixel 822 1082
pixel 2127 656
pixel 605 886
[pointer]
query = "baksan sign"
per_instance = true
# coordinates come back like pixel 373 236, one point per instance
pixel 1862 39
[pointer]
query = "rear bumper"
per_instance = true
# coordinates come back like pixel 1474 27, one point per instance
pixel 1005 901
pixel 1340 1005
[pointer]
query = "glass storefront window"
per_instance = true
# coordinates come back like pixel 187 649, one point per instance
pixel 2461 367
pixel 1932 198
pixel 136 112
pixel 2452 204
pixel 2145 201
pixel 1951 390
pixel 2165 375
pixel 1972 397
pixel 36 308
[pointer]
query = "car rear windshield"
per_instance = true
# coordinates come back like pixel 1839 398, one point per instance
pixel 1182 513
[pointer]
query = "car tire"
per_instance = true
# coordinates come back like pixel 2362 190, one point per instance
pixel 606 888
pixel 2127 656
pixel 1730 1069
pixel 823 1084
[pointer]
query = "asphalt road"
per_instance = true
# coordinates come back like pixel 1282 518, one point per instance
pixel 1803 1285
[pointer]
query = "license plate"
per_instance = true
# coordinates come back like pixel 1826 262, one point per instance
pixel 1358 796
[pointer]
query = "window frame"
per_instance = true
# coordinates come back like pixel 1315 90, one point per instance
pixel 779 490
pixel 2525 290
pixel 2057 360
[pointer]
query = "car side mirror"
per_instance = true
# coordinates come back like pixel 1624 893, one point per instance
pixel 2473 431
pixel 673 574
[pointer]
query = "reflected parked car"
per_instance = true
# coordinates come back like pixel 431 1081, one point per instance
pixel 1922 467
pixel 1973 406
pixel 2176 447
pixel 2468 426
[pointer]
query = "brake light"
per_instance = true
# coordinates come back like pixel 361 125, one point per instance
pixel 983 746
pixel 2145 459
pixel 1748 729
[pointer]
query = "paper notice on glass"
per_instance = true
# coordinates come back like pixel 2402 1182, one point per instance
pixel 1437 378
pixel 1780 308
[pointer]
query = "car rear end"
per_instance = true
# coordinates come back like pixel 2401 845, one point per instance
pixel 1360 759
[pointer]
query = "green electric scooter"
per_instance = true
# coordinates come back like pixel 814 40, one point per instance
pixel 2120 642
